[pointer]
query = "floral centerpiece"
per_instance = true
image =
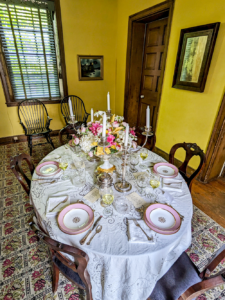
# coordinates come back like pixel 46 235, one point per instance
pixel 89 137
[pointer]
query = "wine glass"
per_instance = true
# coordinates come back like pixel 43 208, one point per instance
pixel 143 155
pixel 154 180
pixel 121 205
pixel 134 160
pixel 142 181
pixel 107 196
pixel 63 164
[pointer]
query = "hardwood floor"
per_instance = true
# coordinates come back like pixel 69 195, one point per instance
pixel 210 198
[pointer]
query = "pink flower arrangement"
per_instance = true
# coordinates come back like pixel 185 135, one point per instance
pixel 110 139
pixel 96 128
pixel 132 131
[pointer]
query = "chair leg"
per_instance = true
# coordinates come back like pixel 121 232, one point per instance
pixel 47 136
pixel 30 144
pixel 55 279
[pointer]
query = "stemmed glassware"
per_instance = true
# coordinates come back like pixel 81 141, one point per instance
pixel 134 160
pixel 142 181
pixel 63 164
pixel 154 180
pixel 143 155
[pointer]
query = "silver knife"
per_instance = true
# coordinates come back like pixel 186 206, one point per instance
pixel 82 241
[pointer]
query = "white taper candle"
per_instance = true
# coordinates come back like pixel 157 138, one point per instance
pixel 126 135
pixel 148 117
pixel 70 107
pixel 104 125
pixel 92 115
pixel 108 101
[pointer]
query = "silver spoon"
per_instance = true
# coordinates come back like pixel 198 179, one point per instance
pixel 98 229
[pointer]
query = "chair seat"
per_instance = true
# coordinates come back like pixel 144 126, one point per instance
pixel 177 280
pixel 32 131
pixel 73 276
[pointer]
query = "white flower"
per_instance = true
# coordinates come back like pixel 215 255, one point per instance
pixel 98 113
pixel 119 118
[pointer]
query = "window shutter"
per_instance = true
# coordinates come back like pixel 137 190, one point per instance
pixel 28 43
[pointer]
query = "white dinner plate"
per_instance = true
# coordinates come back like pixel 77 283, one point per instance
pixel 165 171
pixel 49 169
pixel 162 218
pixel 76 218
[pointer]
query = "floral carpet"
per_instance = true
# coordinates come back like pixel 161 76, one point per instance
pixel 25 267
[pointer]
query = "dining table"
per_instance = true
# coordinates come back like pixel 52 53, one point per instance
pixel 118 268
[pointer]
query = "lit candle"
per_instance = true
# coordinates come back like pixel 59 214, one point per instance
pixel 70 107
pixel 148 117
pixel 104 125
pixel 126 135
pixel 108 101
pixel 92 115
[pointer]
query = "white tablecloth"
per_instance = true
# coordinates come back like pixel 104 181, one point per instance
pixel 118 269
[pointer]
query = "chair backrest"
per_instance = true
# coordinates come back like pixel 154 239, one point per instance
pixel 191 150
pixel 79 265
pixel 32 114
pixel 16 167
pixel 78 109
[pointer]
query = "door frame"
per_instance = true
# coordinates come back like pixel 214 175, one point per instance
pixel 214 144
pixel 150 14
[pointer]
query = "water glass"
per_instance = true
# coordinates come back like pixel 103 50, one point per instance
pixel 142 181
pixel 134 160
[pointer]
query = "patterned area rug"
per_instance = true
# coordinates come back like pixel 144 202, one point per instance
pixel 25 267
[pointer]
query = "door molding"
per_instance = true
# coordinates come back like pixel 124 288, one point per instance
pixel 148 15
pixel 216 139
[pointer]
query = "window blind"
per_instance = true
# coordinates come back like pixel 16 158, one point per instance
pixel 27 38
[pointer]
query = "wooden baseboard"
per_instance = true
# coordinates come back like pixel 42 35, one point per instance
pixel 177 162
pixel 23 138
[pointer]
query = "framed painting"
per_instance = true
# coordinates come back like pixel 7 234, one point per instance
pixel 194 56
pixel 90 67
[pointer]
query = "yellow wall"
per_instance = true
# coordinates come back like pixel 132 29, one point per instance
pixel 184 115
pixel 89 28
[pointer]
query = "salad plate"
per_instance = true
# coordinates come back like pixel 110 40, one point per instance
pixel 48 168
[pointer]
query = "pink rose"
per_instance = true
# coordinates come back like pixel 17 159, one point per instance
pixel 134 144
pixel 110 139
pixel 115 124
pixel 124 124
pixel 76 141
pixel 99 130
pixel 90 153
pixel 83 129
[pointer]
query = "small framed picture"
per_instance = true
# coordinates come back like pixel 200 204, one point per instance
pixel 194 56
pixel 90 67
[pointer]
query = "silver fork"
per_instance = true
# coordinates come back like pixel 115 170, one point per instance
pixel 138 225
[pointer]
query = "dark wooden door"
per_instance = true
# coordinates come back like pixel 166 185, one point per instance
pixel 154 47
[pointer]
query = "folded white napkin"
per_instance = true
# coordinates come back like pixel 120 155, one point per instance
pixel 136 235
pixel 56 204
pixel 166 198
pixel 172 184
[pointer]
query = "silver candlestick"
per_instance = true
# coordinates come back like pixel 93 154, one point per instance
pixel 108 113
pixel 72 121
pixel 122 185
pixel 147 133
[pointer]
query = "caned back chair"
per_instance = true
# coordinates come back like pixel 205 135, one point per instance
pixel 184 282
pixel 16 167
pixel 78 110
pixel 191 150
pixel 35 120
pixel 75 271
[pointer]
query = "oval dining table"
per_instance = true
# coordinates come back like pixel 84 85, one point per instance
pixel 118 268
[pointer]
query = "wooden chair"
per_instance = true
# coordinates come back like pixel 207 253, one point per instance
pixel 184 282
pixel 16 167
pixel 68 130
pixel 150 145
pixel 75 271
pixel 35 121
pixel 78 109
pixel 191 150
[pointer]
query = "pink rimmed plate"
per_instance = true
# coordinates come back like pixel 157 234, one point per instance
pixel 75 218
pixel 163 217
pixel 48 168
pixel 165 170
pixel 158 230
